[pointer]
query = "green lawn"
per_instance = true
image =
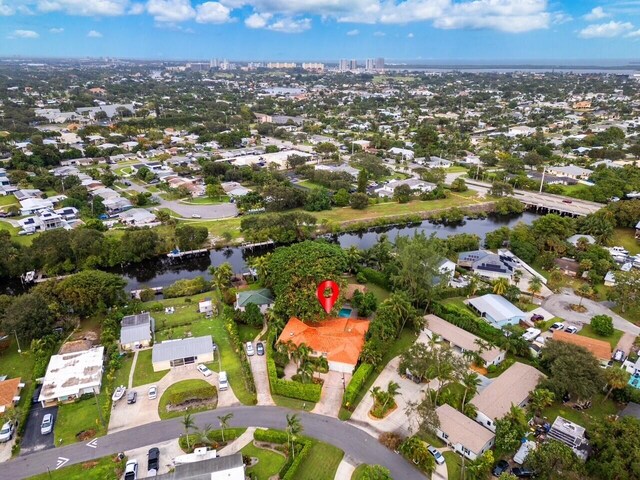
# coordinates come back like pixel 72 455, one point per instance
pixel 269 462
pixel 380 293
pixel 454 465
pixel 631 314
pixel 613 339
pixel 293 403
pixel 80 416
pixel 458 301
pixel 181 388
pixel 6 200
pixel 404 341
pixel 206 200
pixel 105 468
pixel 598 411
pixel 310 185
pixel 321 463
pixel 14 364
pixel 625 237
pixel 122 374
pixel 24 240
pixel 431 439
pixel 185 320
pixel 144 373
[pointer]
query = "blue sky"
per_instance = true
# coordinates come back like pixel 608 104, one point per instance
pixel 323 29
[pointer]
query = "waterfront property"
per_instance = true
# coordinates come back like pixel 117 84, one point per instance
pixel 136 331
pixel 186 351
pixel 340 340
pixel 497 310
pixel 510 388
pixel 465 436
pixel 488 265
pixel 71 375
pixel 263 298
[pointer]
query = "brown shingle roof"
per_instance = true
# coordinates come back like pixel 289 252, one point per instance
pixel 510 388
pixel 8 390
pixel 600 349
pixel 461 429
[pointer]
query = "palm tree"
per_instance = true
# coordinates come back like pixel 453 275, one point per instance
pixel 305 370
pixel 221 276
pixel 474 283
pixel 322 363
pixel 400 305
pixel 517 275
pixel 393 389
pixel 470 382
pixel 294 427
pixel 188 424
pixel 617 378
pixel 224 422
pixel 540 399
pixel 354 257
pixel 500 286
pixel 535 285
pixel 260 264
pixel 584 290
pixel 203 434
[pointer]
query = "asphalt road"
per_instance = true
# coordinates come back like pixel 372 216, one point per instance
pixel 356 443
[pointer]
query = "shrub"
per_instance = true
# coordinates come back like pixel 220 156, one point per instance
pixel 602 325
pixel 376 277
pixel 238 347
pixel 390 440
pixel 361 277
pixel 199 393
pixel 147 295
pixel 186 287
pixel 361 375
pixel 467 321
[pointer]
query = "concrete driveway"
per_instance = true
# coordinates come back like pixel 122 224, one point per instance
pixel 261 379
pixel 332 391
pixel 168 451
pixel 559 305
pixel 33 440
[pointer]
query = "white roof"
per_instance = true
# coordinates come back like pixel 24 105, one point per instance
pixel 70 373
pixel 498 307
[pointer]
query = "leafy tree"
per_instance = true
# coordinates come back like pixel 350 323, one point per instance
pixel 510 430
pixel 416 450
pixel 497 238
pixel 500 189
pixel 626 291
pixel 214 190
pixel 359 201
pixel 29 316
pixel 90 291
pixel 553 460
pixel 317 200
pixel 363 181
pixel 365 303
pixel 402 193
pixel 189 237
pixel 602 325
pixel 341 198
pixel 252 315
pixel 615 454
pixel 375 472
pixel 459 185
pixel 139 244
pixel 282 227
pixel 480 468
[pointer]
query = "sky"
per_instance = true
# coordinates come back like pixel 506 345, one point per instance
pixel 323 30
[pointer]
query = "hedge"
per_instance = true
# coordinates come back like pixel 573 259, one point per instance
pixel 270 436
pixel 290 467
pixel 376 277
pixel 467 321
pixel 309 392
pixel 230 434
pixel 362 373
pixel 198 393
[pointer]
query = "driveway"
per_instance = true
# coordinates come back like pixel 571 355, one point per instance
pixel 168 451
pixel 261 379
pixel 332 391
pixel 33 440
pixel 559 305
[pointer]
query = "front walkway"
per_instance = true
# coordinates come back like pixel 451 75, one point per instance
pixel 239 443
pixel 345 469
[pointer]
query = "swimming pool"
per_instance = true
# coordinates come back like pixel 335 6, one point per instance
pixel 345 313
pixel 634 381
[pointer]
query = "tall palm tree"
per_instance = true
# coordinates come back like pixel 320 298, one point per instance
pixel 617 378
pixel 322 363
pixel 584 290
pixel 540 399
pixel 260 264
pixel 203 434
pixel 393 389
pixel 188 424
pixel 305 370
pixel 224 422
pixel 470 382
pixel 300 353
pixel 221 276
pixel 535 285
pixel 500 286
pixel 294 427
pixel 400 305
pixel 354 256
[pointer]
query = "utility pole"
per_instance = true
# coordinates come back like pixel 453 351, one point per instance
pixel 544 169
pixel 17 341
pixel 98 407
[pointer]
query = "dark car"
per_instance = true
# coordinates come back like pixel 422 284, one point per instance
pixel 36 394
pixel 132 396
pixel 260 348
pixel 500 467
pixel 153 462
pixel 536 317
pixel 522 472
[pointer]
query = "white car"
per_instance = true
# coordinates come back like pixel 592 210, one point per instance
pixel 153 392
pixel 46 426
pixel 557 326
pixel 571 329
pixel 204 370
pixel 250 350
pixel 195 215
pixel 131 470
pixel 436 454
pixel 6 433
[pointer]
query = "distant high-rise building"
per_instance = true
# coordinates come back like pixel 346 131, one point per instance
pixel 344 65
pixel 353 64
pixel 374 65
pixel 379 64
pixel 281 65
pixel 319 67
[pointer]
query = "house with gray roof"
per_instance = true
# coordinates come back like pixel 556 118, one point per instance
pixel 136 331
pixel 489 265
pixel 497 310
pixel 462 434
pixel 263 298
pixel 185 351
pixel 228 467
pixel 571 171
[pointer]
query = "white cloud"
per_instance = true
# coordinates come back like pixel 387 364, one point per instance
pixel 28 34
pixel 84 7
pixel 56 30
pixel 634 34
pixel 379 34
pixel 606 30
pixel 171 11
pixel 257 20
pixel 596 13
pixel 558 18
pixel 136 9
pixel 290 25
pixel 6 10
pixel 94 34
pixel 212 12
pixel 353 33
pixel 410 35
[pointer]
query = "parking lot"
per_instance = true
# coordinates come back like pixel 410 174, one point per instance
pixel 33 440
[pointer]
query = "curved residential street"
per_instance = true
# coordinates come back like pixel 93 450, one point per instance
pixel 356 444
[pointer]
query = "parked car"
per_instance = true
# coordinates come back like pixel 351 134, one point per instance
pixel 250 351
pixel 500 467
pixel 436 454
pixel 522 472
pixel 153 392
pixel 132 396
pixel 536 317
pixel 204 370
pixel 557 326
pixel 259 348
pixel 153 461
pixel 223 383
pixel 131 470
pixel 571 329
pixel 195 215
pixel 46 426
pixel 567 201
pixel 36 394
pixel 6 432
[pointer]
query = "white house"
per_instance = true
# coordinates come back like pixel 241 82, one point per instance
pixel 462 434
pixel 497 310
pixel 186 351
pixel 227 467
pixel 414 183
pixel 136 331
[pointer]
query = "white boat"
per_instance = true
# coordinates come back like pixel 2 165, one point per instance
pixel 119 393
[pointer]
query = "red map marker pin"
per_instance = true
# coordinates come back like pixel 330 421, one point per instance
pixel 328 302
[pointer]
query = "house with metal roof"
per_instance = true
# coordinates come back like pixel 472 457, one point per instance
pixel 228 467
pixel 489 265
pixel 571 171
pixel 136 331
pixel 462 434
pixel 185 351
pixel 262 297
pixel 497 310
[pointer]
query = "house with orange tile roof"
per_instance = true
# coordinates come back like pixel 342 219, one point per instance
pixel 340 340
pixel 599 348
pixel 10 393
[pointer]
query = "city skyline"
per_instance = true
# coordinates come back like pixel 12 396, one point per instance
pixel 275 30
